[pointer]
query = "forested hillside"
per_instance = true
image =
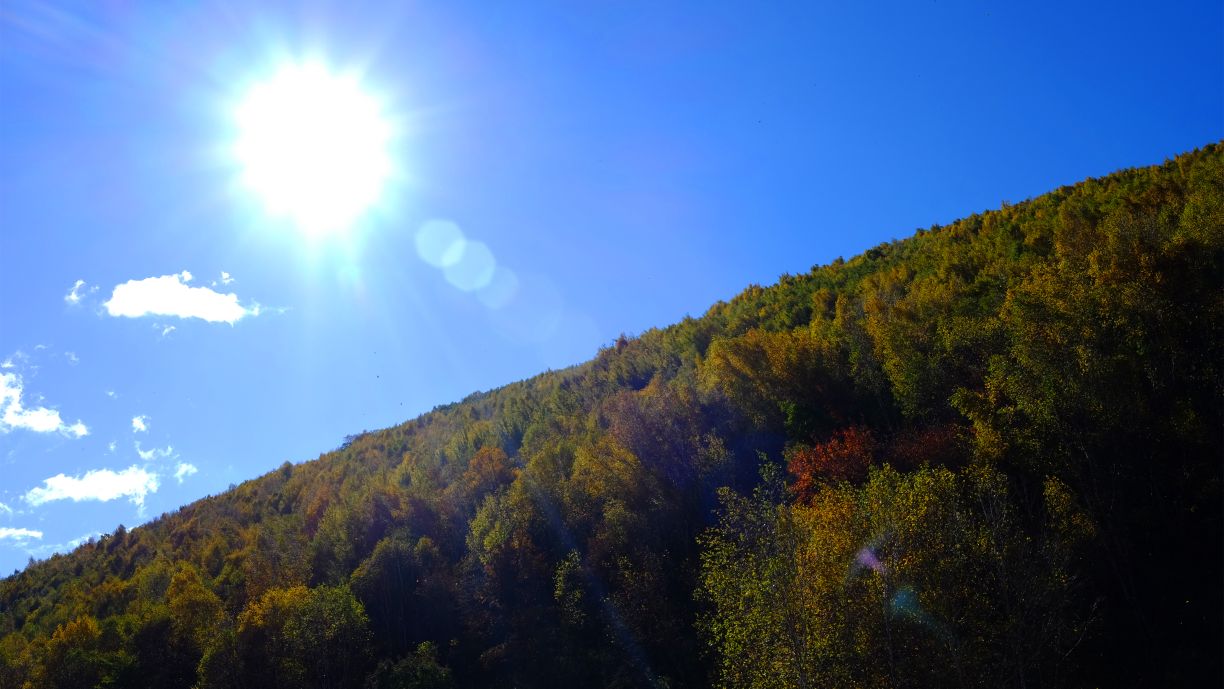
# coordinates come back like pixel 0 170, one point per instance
pixel 986 455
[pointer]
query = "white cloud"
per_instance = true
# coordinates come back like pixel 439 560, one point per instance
pixel 155 453
pixel 110 447
pixel 140 424
pixel 50 548
pixel 19 358
pixel 74 294
pixel 183 470
pixel 169 295
pixel 168 329
pixel 72 358
pixel 112 394
pixel 5 508
pixel 133 483
pixel 225 279
pixel 82 540
pixel 19 534
pixel 13 413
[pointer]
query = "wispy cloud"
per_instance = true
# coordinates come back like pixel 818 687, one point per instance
pixel 46 549
pixel 78 290
pixel 6 509
pixel 155 453
pixel 74 294
pixel 14 414
pixel 140 424
pixel 19 359
pixel 82 540
pixel 170 295
pixel 72 358
pixel 133 483
pixel 183 470
pixel 19 534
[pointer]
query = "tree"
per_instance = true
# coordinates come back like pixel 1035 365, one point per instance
pixel 304 637
pixel 418 670
pixel 845 456
pixel 196 612
pixel 921 579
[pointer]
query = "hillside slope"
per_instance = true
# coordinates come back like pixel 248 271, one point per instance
pixel 989 454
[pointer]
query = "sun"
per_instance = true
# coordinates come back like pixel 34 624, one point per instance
pixel 314 146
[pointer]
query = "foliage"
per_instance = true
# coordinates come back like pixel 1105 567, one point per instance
pixel 1002 444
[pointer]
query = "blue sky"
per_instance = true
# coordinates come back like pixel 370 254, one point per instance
pixel 164 332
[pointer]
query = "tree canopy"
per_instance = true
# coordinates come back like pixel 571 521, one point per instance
pixel 985 455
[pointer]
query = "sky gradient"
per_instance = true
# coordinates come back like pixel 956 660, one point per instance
pixel 162 336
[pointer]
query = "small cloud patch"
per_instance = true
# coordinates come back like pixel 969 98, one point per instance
pixel 14 414
pixel 140 424
pixel 77 291
pixel 104 485
pixel 20 360
pixel 183 470
pixel 155 453
pixel 170 295
pixel 19 534
pixel 50 548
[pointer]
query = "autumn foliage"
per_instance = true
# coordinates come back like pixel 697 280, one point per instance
pixel 985 455
pixel 845 456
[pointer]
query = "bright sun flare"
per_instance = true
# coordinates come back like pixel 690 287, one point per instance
pixel 314 147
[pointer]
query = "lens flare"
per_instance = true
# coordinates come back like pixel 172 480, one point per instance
pixel 471 266
pixel 502 287
pixel 439 243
